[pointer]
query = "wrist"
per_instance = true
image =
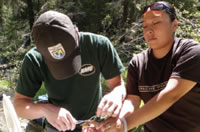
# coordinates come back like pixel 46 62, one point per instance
pixel 120 91
pixel 45 109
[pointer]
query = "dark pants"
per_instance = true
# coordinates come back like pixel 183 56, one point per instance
pixel 48 129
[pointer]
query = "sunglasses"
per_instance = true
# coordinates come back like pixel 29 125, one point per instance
pixel 159 7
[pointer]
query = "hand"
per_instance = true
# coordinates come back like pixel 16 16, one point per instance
pixel 89 129
pixel 110 125
pixel 110 105
pixel 60 118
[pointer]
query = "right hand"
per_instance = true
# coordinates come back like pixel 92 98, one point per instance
pixel 60 118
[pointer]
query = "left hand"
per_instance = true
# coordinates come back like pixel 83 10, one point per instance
pixel 110 105
pixel 110 125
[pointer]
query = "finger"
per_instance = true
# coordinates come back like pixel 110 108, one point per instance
pixel 88 129
pixel 67 122
pixel 92 129
pixel 64 123
pixel 106 127
pixel 84 129
pixel 116 112
pixel 72 122
pixel 111 109
pixel 100 107
pixel 57 126
pixel 105 109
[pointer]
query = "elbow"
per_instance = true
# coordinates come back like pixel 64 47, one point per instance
pixel 21 107
pixel 17 108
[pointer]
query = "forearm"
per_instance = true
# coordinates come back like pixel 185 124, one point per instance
pixel 29 110
pixel 25 108
pixel 175 89
pixel 149 111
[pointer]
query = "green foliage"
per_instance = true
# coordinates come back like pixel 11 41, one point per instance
pixel 138 129
pixel 189 24
pixel 42 91
pixel 3 85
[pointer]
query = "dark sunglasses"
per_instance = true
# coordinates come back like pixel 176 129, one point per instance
pixel 159 7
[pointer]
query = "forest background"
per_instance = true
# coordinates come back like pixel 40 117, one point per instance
pixel 119 20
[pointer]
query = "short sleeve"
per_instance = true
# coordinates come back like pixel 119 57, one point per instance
pixel 132 78
pixel 188 64
pixel 110 62
pixel 29 81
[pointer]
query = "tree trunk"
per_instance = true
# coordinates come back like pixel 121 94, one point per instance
pixel 126 10
pixel 30 13
pixel 134 12
pixel 1 5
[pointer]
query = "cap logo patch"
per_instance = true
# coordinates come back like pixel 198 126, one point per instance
pixel 57 51
pixel 87 70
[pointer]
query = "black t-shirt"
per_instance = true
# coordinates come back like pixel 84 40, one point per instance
pixel 147 76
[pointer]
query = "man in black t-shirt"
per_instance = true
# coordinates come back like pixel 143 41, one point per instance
pixel 166 77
